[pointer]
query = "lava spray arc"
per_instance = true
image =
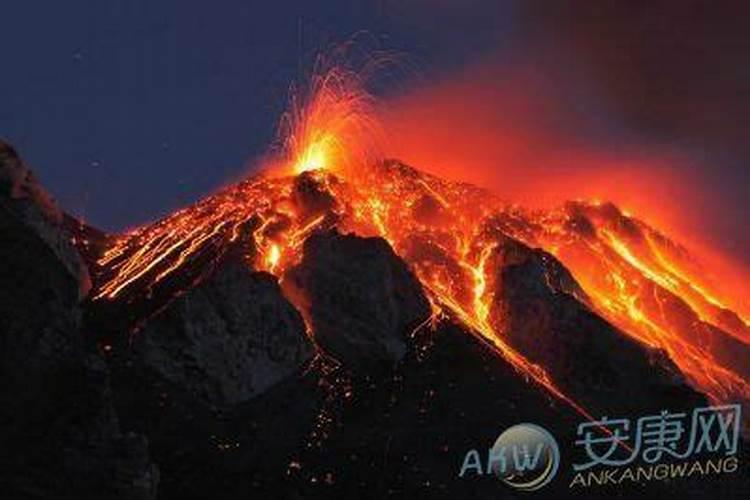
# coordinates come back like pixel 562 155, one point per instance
pixel 331 123
pixel 332 174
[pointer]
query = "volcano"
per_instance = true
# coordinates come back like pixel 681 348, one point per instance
pixel 340 323
pixel 315 334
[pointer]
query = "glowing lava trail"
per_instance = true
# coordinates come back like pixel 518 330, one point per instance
pixel 331 174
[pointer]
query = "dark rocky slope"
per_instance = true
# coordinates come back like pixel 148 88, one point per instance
pixel 543 310
pixel 59 434
pixel 216 381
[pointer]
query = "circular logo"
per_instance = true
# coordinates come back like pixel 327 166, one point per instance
pixel 525 457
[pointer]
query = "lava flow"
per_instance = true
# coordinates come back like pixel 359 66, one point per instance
pixel 332 174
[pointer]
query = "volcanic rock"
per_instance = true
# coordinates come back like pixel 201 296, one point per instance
pixel 362 299
pixel 59 433
pixel 311 196
pixel 22 197
pixel 676 314
pixel 226 340
pixel 544 314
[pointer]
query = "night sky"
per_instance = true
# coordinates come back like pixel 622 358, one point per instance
pixel 128 109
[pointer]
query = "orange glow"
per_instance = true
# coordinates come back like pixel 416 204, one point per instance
pixel 272 259
pixel 315 157
pixel 636 277
pixel 508 128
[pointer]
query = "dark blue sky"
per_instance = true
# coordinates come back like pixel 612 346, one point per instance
pixel 127 109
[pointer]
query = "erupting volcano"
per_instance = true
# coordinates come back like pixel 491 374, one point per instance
pixel 340 308
pixel 332 176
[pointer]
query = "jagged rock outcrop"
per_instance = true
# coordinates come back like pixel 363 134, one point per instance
pixel 226 340
pixel 543 312
pixel 59 434
pixel 677 316
pixel 311 197
pixel 22 197
pixel 362 299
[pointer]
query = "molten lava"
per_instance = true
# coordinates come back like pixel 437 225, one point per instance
pixel 332 175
